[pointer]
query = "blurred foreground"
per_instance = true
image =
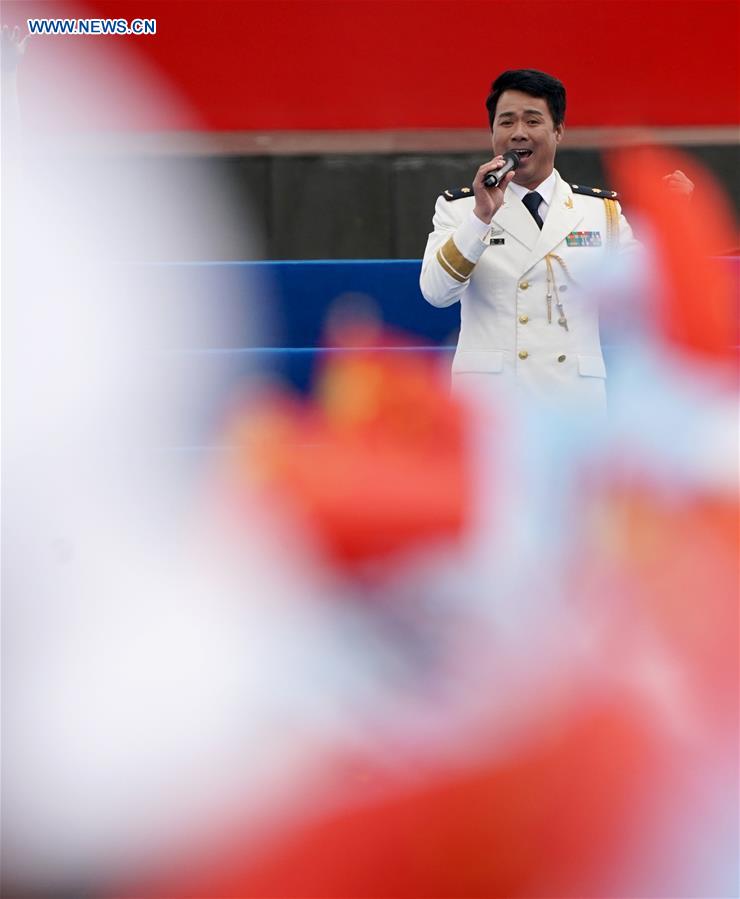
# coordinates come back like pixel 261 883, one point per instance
pixel 393 643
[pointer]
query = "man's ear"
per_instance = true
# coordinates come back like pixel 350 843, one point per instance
pixel 559 132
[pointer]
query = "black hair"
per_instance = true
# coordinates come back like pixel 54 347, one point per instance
pixel 534 83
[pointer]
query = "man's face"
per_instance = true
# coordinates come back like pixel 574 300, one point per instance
pixel 524 124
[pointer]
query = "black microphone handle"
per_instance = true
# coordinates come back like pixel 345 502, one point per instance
pixel 493 179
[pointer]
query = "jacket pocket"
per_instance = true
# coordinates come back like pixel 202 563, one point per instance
pixel 478 361
pixel 591 367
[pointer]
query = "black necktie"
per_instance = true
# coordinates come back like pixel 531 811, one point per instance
pixel 532 201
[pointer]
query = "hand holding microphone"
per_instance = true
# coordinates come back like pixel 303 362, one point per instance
pixel 489 184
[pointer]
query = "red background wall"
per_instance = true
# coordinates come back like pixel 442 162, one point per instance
pixel 374 64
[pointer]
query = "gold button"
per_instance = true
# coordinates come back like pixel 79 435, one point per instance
pixel 561 357
pixel 524 285
pixel 523 354
pixel 523 319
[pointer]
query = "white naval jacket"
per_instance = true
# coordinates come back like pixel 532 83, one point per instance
pixel 502 274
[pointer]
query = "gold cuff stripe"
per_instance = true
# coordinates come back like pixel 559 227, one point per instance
pixel 450 271
pixel 612 225
pixel 455 259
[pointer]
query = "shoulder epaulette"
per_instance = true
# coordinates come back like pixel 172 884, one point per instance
pixel 458 193
pixel 597 192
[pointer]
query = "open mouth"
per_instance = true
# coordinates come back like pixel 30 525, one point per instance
pixel 523 154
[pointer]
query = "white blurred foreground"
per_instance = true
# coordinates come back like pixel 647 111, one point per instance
pixel 171 669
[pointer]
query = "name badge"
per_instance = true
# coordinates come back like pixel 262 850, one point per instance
pixel 583 239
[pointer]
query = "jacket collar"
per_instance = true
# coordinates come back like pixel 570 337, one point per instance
pixel 546 189
pixel 562 217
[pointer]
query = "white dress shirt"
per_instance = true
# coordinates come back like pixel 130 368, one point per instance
pixel 545 190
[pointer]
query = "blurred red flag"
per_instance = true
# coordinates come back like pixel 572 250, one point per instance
pixel 551 819
pixel 375 463
pixel 695 297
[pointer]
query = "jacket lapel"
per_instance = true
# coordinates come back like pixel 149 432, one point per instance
pixel 563 217
pixel 514 218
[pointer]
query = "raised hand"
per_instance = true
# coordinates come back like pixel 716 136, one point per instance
pixel 679 184
pixel 12 48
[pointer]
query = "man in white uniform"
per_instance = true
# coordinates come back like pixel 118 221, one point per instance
pixel 519 256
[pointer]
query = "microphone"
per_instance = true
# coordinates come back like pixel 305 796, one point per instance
pixel 493 179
